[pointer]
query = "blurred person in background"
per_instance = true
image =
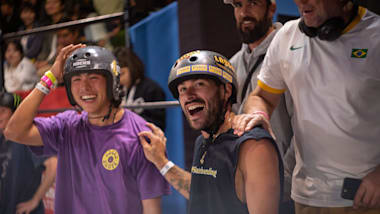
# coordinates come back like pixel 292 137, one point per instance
pixel 19 72
pixel 32 43
pixel 95 33
pixel 9 21
pixel 21 185
pixel 65 36
pixel 138 87
pixel 53 13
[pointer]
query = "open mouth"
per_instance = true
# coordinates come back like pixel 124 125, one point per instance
pixel 87 98
pixel 193 109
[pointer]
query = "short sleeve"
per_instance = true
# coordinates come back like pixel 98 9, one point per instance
pixel 151 183
pixel 270 76
pixel 51 130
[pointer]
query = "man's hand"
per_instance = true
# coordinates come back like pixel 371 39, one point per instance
pixel 244 122
pixel 26 207
pixel 368 194
pixel 155 150
pixel 57 68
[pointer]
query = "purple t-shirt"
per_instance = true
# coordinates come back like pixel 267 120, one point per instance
pixel 101 169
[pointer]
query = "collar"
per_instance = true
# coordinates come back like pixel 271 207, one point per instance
pixel 361 12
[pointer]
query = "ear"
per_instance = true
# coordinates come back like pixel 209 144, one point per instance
pixel 272 10
pixel 227 91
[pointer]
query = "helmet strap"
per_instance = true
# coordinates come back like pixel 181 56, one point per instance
pixel 107 116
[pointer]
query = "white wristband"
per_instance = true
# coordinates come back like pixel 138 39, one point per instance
pixel 166 168
pixel 43 88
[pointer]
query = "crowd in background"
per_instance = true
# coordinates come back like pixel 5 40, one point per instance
pixel 29 57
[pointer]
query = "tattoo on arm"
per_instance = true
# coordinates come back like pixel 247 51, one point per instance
pixel 180 180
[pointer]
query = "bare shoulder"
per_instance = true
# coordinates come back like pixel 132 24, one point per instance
pixel 263 148
pixel 257 160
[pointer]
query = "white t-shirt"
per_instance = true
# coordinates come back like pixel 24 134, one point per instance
pixel 335 88
pixel 21 78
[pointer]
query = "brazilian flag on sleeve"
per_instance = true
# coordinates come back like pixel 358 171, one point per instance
pixel 359 53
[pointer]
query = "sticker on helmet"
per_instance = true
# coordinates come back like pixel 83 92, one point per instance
pixel 81 63
pixel 183 70
pixel 199 68
pixel 224 62
pixel 114 68
pixel 215 70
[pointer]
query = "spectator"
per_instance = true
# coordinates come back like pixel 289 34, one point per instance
pixel 19 72
pixel 21 185
pixel 10 21
pixel 31 44
pixel 65 36
pixel 329 61
pixel 139 88
pixel 54 12
pixel 254 24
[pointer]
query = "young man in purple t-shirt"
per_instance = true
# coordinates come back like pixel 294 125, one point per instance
pixel 101 164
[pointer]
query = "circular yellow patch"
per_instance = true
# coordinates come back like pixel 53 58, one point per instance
pixel 110 159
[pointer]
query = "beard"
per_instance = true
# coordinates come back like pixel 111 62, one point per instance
pixel 259 30
pixel 214 111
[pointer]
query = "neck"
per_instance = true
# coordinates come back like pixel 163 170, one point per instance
pixel 253 45
pixel 228 117
pixel 115 115
pixel 349 12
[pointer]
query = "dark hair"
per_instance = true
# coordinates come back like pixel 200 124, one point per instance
pixel 10 100
pixel 29 6
pixel 127 58
pixel 18 46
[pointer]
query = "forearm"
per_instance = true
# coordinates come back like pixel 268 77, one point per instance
pixel 257 103
pixel 48 178
pixel 152 206
pixel 178 178
pixel 21 122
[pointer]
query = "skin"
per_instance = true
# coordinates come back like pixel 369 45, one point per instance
pixel 257 176
pixel 28 16
pixel 12 55
pixel 49 173
pixel 125 77
pixel 315 12
pixel 54 8
pixel 249 14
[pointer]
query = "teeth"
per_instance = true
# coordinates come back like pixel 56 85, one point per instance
pixel 195 106
pixel 88 97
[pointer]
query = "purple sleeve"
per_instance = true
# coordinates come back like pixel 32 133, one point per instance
pixel 51 129
pixel 150 182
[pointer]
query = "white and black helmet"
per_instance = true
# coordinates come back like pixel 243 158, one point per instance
pixel 201 64
pixel 94 59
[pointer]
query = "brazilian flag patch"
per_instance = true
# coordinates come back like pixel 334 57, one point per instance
pixel 359 53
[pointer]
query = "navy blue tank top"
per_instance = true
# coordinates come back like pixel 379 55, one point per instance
pixel 213 175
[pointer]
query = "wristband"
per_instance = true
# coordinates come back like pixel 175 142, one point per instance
pixel 48 81
pixel 263 113
pixel 42 88
pixel 51 76
pixel 166 168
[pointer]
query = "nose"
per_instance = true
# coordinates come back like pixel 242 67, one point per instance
pixel 245 10
pixel 85 85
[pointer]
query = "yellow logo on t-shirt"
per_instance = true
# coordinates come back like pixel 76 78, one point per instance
pixel 110 159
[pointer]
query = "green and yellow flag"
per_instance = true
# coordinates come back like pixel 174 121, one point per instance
pixel 359 53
